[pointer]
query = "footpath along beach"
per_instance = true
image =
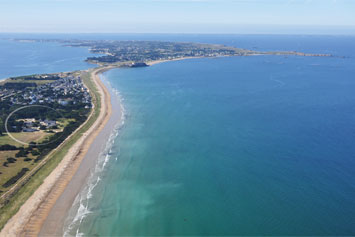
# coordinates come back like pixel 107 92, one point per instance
pixel 45 211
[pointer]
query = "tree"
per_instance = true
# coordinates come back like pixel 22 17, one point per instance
pixel 35 153
pixel 21 153
pixel 1 127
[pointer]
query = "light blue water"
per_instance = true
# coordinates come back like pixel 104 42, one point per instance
pixel 233 146
pixel 18 59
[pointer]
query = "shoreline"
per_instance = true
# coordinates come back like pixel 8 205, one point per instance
pixel 44 213
pixel 33 213
pixel 58 214
pixel 151 63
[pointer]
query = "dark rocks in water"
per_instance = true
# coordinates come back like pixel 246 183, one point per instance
pixel 140 64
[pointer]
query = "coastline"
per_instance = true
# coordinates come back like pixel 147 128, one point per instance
pixel 33 213
pixel 151 63
pixel 55 210
pixel 44 213
pixel 56 219
pixel 65 208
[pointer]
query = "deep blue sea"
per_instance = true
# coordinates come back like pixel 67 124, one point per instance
pixel 260 145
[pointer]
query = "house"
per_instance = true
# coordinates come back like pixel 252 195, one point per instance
pixel 63 102
pixel 29 130
pixel 29 122
pixel 48 123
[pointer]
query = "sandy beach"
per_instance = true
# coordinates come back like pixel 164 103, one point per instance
pixel 55 219
pixel 44 212
pixel 151 63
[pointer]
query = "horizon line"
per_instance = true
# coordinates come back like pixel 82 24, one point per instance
pixel 180 33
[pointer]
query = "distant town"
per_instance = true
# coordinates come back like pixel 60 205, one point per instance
pixel 140 53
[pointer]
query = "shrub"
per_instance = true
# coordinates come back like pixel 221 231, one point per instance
pixel 14 179
pixel 35 153
pixel 11 160
pixel 8 147
pixel 22 153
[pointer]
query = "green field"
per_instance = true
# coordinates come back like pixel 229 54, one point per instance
pixel 13 168
pixel 25 137
pixel 6 139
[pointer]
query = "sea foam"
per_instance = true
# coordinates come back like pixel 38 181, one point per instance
pixel 80 207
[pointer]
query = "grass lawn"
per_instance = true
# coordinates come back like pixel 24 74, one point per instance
pixel 13 168
pixel 25 137
pixel 5 139
pixel 62 122
pixel 28 137
pixel 38 82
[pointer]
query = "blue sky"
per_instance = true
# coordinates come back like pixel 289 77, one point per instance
pixel 178 16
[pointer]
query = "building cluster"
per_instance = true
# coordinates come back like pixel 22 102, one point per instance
pixel 143 51
pixel 64 91
pixel 34 125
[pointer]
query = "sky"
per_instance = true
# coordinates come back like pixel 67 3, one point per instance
pixel 178 16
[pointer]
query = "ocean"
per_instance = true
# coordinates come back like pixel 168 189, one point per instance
pixel 27 58
pixel 260 145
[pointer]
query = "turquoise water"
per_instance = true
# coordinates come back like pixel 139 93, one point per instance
pixel 233 146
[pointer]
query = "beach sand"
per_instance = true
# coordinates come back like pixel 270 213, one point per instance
pixel 55 220
pixel 45 211
pixel 151 63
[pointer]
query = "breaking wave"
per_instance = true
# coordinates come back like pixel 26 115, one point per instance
pixel 80 207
